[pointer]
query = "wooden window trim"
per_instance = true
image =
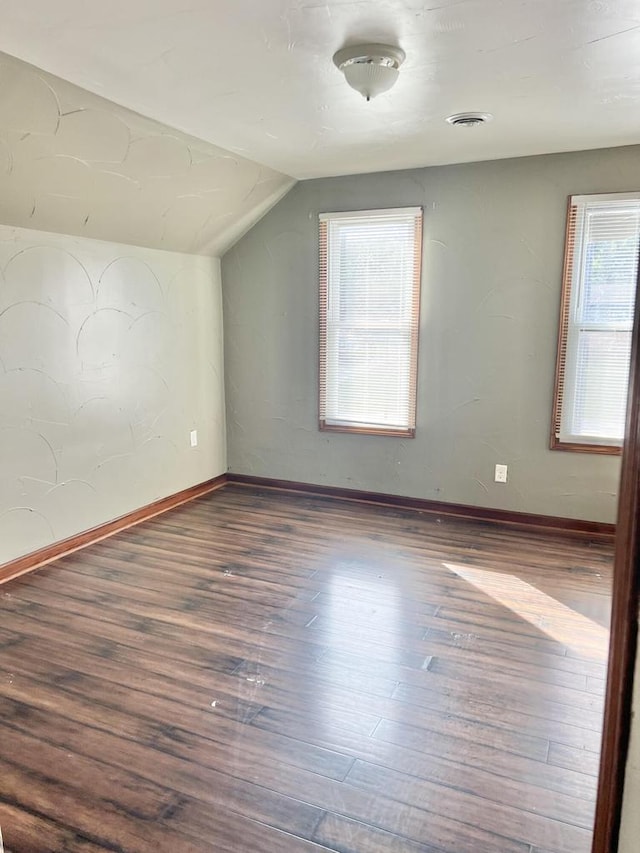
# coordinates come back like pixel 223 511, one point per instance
pixel 563 333
pixel 573 447
pixel 323 267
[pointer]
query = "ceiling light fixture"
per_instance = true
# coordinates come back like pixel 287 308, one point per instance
pixel 370 69
pixel 469 119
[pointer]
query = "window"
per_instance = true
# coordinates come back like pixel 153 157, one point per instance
pixel 596 316
pixel 369 314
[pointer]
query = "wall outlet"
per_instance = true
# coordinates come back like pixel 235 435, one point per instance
pixel 501 474
pixel 193 435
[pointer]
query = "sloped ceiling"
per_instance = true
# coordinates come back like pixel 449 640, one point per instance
pixel 257 77
pixel 75 163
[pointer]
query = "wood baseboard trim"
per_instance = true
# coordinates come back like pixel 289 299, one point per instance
pixel 571 526
pixel 37 559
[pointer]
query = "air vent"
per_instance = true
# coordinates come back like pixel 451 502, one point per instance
pixel 469 119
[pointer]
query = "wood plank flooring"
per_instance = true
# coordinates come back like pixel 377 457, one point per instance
pixel 264 672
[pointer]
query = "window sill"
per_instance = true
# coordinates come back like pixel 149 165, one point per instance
pixel 397 433
pixel 575 447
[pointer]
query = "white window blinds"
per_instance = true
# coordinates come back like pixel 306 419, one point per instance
pixel 601 264
pixel 369 315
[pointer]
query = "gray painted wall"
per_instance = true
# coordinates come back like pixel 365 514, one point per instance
pixel 493 251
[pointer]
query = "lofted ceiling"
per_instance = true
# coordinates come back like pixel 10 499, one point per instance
pixel 256 77
pixel 75 163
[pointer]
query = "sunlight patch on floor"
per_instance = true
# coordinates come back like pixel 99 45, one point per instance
pixel 549 615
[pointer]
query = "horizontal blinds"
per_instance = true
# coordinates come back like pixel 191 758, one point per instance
pixel 369 314
pixel 598 301
pixel 601 376
pixel 570 246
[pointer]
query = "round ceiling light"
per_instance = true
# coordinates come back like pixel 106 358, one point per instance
pixel 469 119
pixel 370 69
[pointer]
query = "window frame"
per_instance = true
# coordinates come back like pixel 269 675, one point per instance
pixel 563 352
pixel 414 329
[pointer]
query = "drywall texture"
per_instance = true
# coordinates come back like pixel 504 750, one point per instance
pixel 109 356
pixel 257 75
pixel 493 253
pixel 74 163
pixel 630 828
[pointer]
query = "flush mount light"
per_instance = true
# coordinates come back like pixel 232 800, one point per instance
pixel 370 68
pixel 469 119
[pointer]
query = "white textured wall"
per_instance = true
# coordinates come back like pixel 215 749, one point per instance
pixel 109 356
pixel 492 272
pixel 630 829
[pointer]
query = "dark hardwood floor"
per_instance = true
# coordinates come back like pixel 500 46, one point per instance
pixel 258 672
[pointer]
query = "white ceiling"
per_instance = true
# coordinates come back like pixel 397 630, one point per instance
pixel 75 163
pixel 256 76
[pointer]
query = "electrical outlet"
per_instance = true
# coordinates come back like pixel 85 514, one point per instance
pixel 194 437
pixel 501 474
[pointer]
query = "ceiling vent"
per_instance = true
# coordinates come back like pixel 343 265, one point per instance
pixel 469 119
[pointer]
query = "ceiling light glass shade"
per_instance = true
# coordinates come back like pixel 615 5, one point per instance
pixel 370 79
pixel 370 69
